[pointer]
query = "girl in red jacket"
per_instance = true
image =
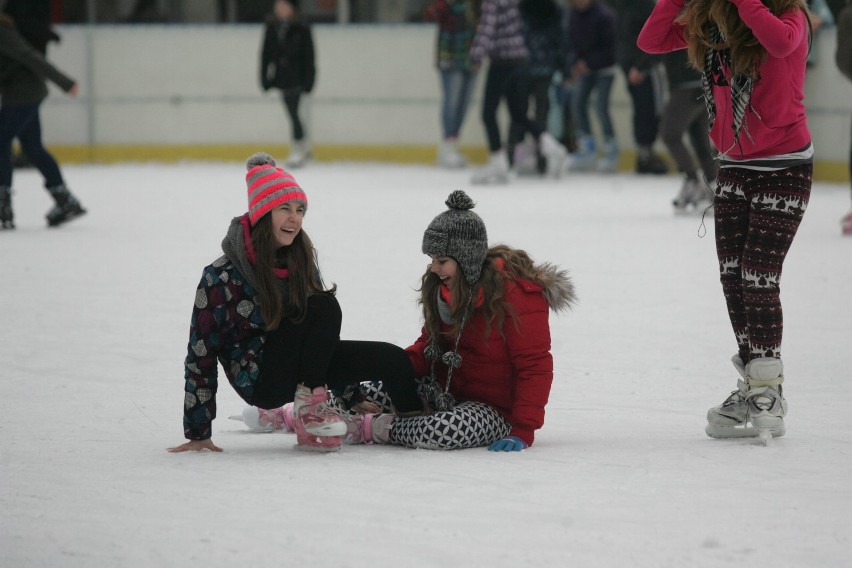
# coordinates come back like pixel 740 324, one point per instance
pixel 485 347
pixel 752 56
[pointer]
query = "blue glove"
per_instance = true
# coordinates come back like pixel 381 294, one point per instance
pixel 508 444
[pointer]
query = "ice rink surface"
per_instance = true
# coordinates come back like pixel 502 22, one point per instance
pixel 95 320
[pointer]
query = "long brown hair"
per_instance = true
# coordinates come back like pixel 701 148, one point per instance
pixel 304 280
pixel 490 288
pixel 746 51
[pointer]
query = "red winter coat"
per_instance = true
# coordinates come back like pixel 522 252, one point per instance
pixel 511 372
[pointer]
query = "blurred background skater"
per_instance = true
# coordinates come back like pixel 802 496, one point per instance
pixel 499 36
pixel 456 21
pixel 22 89
pixel 544 34
pixel 685 113
pixel 591 36
pixel 32 20
pixel 287 63
pixel 843 57
pixel 643 81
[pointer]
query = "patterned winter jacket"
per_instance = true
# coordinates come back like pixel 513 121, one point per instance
pixel 227 328
pixel 456 27
pixel 499 33
pixel 775 117
pixel 512 372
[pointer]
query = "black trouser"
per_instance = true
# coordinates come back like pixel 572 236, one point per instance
pixel 23 122
pixel 509 80
pixel 311 353
pixel 291 103
pixel 538 90
pixel 646 108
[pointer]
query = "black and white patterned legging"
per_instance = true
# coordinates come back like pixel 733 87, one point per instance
pixel 467 425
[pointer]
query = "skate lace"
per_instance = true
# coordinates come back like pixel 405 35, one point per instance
pixel 735 397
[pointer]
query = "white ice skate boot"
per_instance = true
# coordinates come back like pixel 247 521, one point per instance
pixel 757 408
pixel 264 421
pixel 318 426
pixel 693 197
pixel 449 156
pixel 369 428
pixel 526 158
pixel 608 163
pixel 299 155
pixel 495 172
pixel 585 158
pixel 555 153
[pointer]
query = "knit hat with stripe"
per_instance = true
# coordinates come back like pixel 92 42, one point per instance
pixel 269 186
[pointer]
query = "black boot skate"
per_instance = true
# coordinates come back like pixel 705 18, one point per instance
pixel 67 207
pixel 7 218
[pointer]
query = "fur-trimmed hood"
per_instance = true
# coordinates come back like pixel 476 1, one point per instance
pixel 558 288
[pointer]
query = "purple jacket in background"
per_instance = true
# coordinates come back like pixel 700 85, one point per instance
pixel 500 33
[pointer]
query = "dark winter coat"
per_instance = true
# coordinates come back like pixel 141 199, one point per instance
pixel 843 55
pixel 511 372
pixel 630 16
pixel 32 19
pixel 23 70
pixel 287 56
pixel 227 327
pixel 680 73
pixel 545 36
pixel 591 36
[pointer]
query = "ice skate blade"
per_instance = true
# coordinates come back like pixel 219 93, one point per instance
pixel 337 429
pixel 316 449
pixel 733 432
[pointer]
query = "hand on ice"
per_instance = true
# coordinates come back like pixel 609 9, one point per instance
pixel 508 444
pixel 196 446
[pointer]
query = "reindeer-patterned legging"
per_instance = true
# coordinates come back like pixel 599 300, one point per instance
pixel 757 214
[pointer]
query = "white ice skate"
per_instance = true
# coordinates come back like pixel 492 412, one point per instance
pixel 299 155
pixel 449 155
pixel 585 158
pixel 555 153
pixel 693 197
pixel 757 408
pixel 495 172
pixel 608 163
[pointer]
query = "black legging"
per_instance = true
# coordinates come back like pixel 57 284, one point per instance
pixel 291 103
pixel 506 79
pixel 312 353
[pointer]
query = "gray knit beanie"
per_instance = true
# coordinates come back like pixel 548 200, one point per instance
pixel 460 234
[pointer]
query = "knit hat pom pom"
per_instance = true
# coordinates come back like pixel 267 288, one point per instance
pixel 259 159
pixel 460 200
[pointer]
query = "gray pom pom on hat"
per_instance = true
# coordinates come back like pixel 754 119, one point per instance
pixel 259 159
pixel 459 233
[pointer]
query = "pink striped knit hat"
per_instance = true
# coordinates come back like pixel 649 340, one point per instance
pixel 269 186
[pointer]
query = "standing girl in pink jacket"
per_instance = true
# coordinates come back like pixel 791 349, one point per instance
pixel 752 58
